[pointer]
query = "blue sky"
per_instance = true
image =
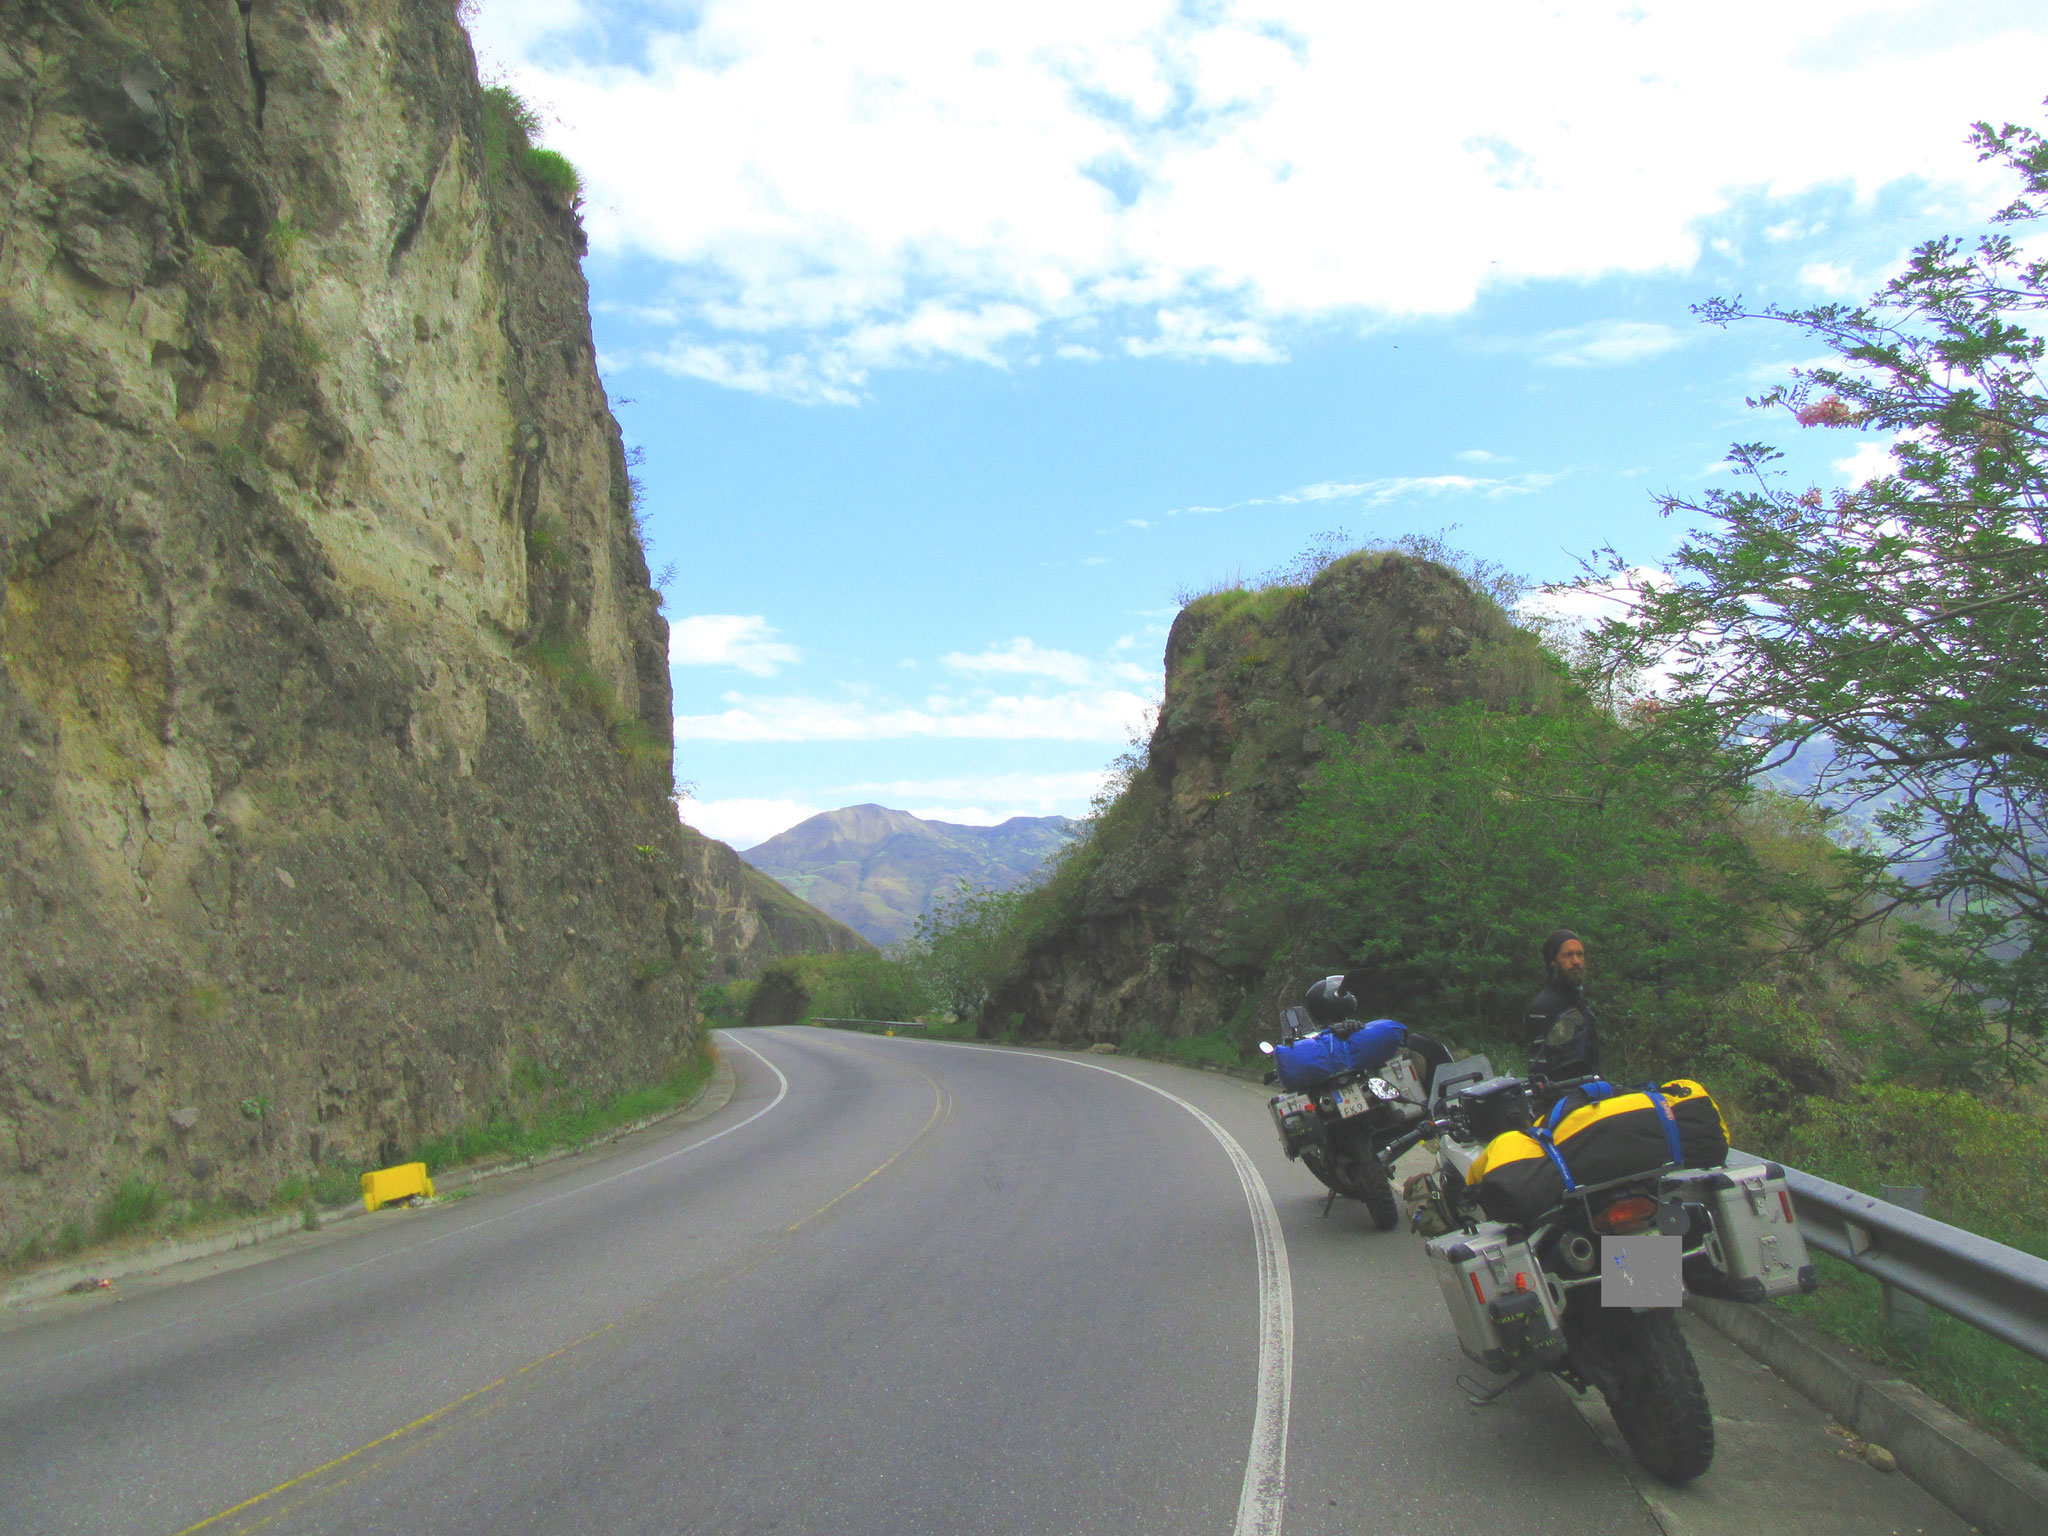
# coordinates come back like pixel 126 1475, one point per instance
pixel 959 339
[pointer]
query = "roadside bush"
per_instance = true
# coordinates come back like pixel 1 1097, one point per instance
pixel 134 1204
pixel 1984 1168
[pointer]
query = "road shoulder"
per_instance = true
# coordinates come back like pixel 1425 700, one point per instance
pixel 175 1260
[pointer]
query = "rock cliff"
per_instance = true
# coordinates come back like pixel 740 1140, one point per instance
pixel 1143 927
pixel 334 707
pixel 749 919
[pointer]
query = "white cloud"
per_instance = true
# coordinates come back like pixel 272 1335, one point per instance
pixel 1388 488
pixel 1830 277
pixel 1580 607
pixel 1867 463
pixel 1608 344
pixel 745 641
pixel 982 799
pixel 1110 714
pixel 743 823
pixel 834 189
pixel 1021 658
pixel 1479 456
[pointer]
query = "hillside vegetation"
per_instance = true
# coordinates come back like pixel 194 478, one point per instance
pixel 879 871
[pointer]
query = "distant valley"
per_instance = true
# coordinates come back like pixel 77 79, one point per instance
pixel 879 870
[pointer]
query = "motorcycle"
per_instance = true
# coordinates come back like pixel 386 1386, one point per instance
pixel 1338 1127
pixel 1585 1280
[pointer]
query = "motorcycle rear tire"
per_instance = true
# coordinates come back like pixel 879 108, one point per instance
pixel 1659 1405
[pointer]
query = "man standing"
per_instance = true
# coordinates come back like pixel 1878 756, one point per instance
pixel 1563 1040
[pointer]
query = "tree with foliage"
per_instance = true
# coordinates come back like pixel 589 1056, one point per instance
pixel 1900 629
pixel 1432 853
pixel 963 946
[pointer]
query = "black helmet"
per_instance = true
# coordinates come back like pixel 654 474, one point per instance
pixel 1329 1003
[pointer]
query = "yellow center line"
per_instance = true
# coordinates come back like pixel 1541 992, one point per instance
pixel 941 1105
pixel 942 1112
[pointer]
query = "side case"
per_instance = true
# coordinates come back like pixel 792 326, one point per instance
pixel 1294 1115
pixel 1506 1317
pixel 1753 1249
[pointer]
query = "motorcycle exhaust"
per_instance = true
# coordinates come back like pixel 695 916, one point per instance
pixel 1578 1253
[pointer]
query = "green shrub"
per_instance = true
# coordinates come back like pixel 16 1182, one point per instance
pixel 333 1184
pixel 567 1124
pixel 1188 1050
pixel 861 985
pixel 134 1204
pixel 553 174
pixel 544 542
pixel 509 125
pixel 1984 1168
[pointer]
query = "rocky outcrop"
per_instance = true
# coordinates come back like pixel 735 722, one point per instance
pixel 1144 927
pixel 749 920
pixel 334 710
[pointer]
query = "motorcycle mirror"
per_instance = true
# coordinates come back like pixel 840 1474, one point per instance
pixel 1266 1046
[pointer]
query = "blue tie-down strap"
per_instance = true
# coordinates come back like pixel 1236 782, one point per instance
pixel 1541 1136
pixel 1669 1122
pixel 1594 1092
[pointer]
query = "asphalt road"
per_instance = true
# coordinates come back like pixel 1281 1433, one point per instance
pixel 892 1286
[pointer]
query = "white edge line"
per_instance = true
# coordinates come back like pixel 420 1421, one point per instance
pixel 1263 1497
pixel 781 1093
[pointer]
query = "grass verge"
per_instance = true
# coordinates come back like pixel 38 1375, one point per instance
pixel 574 1124
pixel 138 1209
pixel 1988 1382
pixel 1183 1050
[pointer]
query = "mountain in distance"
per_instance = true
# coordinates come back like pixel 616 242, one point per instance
pixel 879 870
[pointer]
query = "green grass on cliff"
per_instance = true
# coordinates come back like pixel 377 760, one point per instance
pixel 510 125
pixel 517 1136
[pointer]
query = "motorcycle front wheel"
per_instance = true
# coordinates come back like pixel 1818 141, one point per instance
pixel 1371 1187
pixel 1357 1175
pixel 1659 1405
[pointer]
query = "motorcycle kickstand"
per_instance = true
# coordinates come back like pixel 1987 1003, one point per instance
pixel 1480 1395
pixel 1329 1200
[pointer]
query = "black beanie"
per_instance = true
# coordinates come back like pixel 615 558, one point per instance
pixel 1555 942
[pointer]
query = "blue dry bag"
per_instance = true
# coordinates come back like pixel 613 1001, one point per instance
pixel 1319 1057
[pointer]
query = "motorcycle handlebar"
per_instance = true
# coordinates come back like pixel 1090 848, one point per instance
pixel 1409 1138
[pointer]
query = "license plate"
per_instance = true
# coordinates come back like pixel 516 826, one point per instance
pixel 1352 1100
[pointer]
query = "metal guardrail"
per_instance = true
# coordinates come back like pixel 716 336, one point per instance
pixel 1988 1285
pixel 872 1023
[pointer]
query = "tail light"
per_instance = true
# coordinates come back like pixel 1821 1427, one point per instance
pixel 1631 1213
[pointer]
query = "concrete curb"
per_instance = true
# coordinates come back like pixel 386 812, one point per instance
pixel 1982 1479
pixel 706 1100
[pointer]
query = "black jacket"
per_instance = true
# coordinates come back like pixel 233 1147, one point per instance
pixel 1563 1039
